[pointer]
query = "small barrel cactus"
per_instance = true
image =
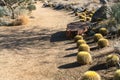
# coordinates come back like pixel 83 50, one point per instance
pixel 97 36
pixel 103 31
pixel 91 75
pixel 78 37
pixel 112 60
pixel 117 75
pixel 84 57
pixel 103 43
pixel 88 18
pixel 84 47
pixel 79 42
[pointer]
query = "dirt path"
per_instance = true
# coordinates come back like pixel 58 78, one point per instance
pixel 30 52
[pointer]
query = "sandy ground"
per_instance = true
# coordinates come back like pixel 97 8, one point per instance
pixel 40 51
pixel 29 52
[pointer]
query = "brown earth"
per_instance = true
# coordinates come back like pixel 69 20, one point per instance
pixel 40 51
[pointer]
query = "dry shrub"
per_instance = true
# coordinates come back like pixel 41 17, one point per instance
pixel 21 20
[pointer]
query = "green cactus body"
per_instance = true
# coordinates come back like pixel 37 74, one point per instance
pixel 78 37
pixel 103 31
pixel 91 75
pixel 79 42
pixel 97 36
pixel 84 57
pixel 112 60
pixel 84 47
pixel 103 42
pixel 117 75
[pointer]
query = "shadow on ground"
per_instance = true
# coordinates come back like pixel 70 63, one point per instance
pixel 101 66
pixel 58 36
pixel 70 65
pixel 70 55
pixel 23 38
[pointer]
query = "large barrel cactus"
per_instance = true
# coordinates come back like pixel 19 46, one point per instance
pixel 91 75
pixel 84 57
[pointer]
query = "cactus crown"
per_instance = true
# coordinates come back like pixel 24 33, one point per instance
pixel 78 37
pixel 97 36
pixel 81 42
pixel 112 57
pixel 84 47
pixel 84 57
pixel 117 75
pixel 103 31
pixel 103 42
pixel 91 75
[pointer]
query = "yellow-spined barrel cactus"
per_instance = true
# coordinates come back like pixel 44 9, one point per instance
pixel 78 37
pixel 103 31
pixel 117 75
pixel 88 18
pixel 97 36
pixel 79 42
pixel 103 43
pixel 112 60
pixel 84 57
pixel 84 47
pixel 91 75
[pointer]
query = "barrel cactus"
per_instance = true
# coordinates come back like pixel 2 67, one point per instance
pixel 84 47
pixel 117 75
pixel 91 75
pixel 84 57
pixel 103 42
pixel 97 36
pixel 78 37
pixel 103 31
pixel 88 18
pixel 79 42
pixel 112 60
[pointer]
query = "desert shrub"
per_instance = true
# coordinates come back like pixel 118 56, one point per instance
pixel 117 75
pixel 22 20
pixel 97 36
pixel 103 31
pixel 31 7
pixel 84 47
pixel 112 60
pixel 84 57
pixel 79 42
pixel 91 75
pixel 17 5
pixel 103 42
pixel 77 37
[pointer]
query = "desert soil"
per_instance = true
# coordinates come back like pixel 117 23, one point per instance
pixel 40 50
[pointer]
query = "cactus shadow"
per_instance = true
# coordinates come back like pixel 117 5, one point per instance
pixel 70 55
pixel 58 36
pixel 101 66
pixel 70 65
pixel 72 48
pixel 72 42
pixel 94 48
